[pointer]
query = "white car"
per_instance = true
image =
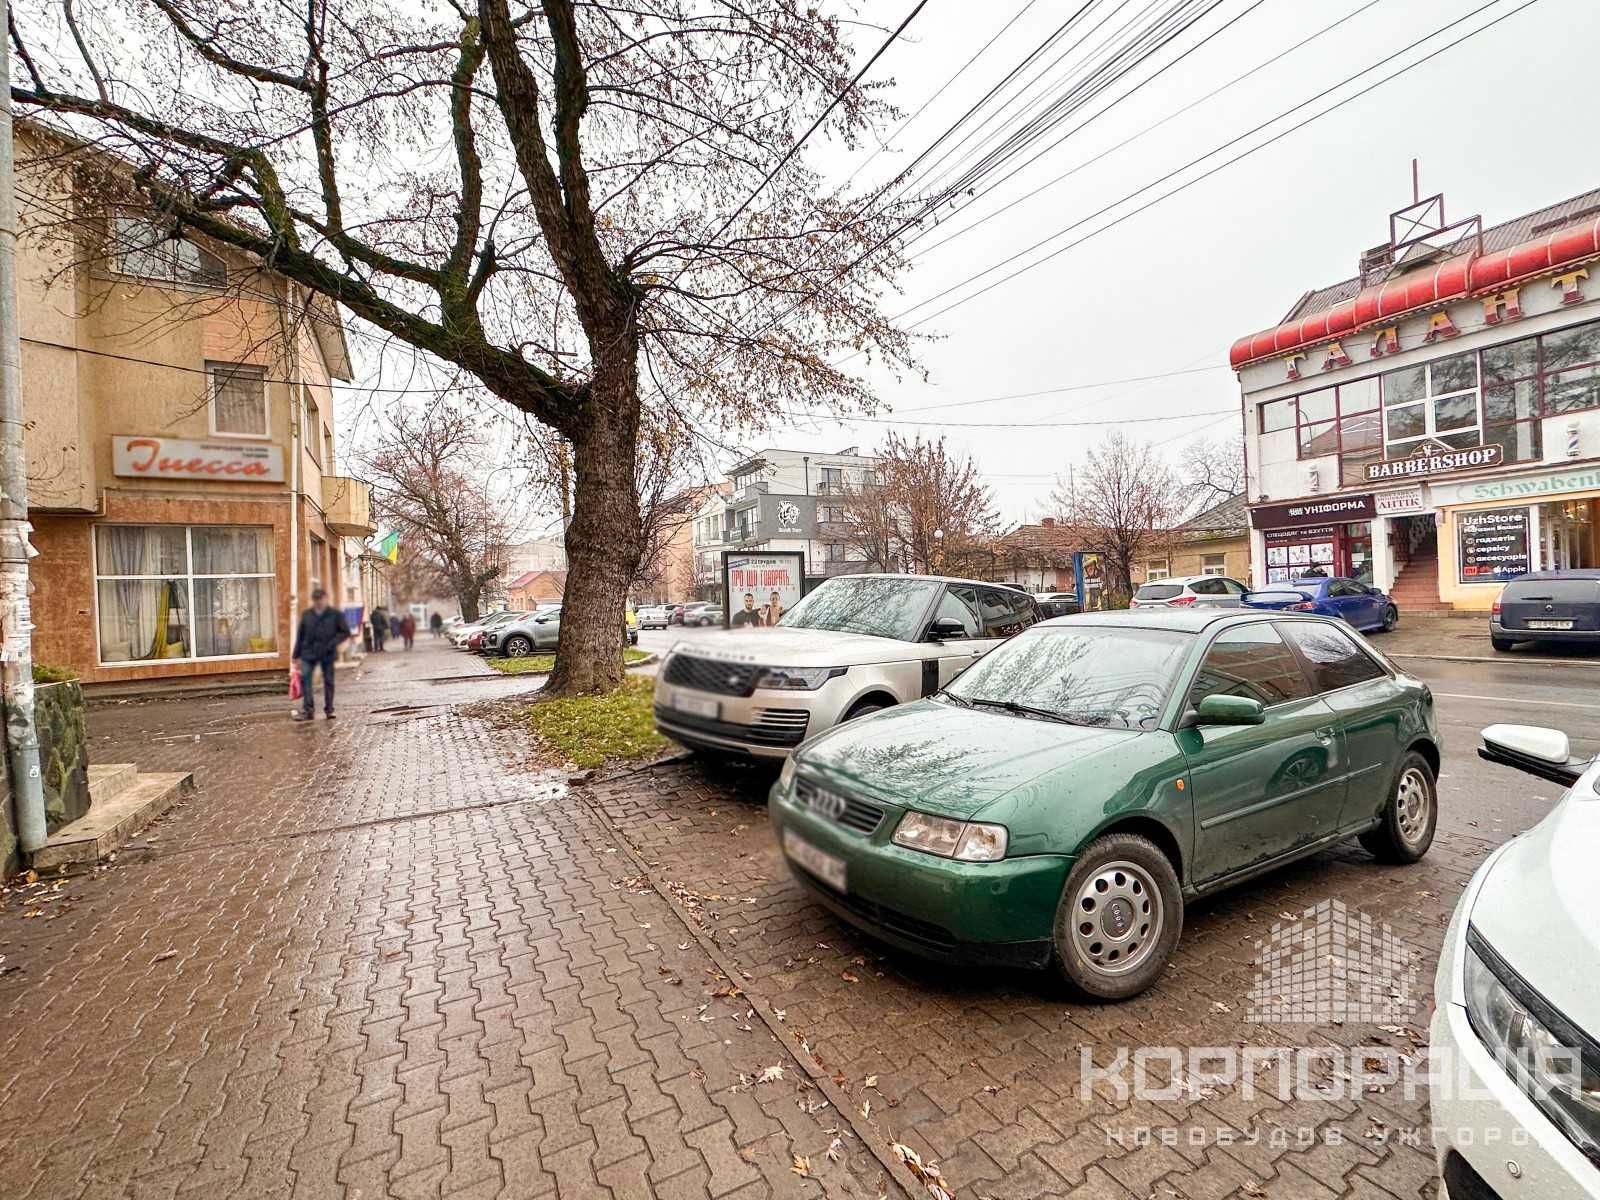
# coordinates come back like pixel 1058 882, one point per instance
pixel 856 644
pixel 1516 1031
pixel 1189 591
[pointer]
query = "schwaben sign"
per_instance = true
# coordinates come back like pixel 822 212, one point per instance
pixel 171 458
pixel 1435 458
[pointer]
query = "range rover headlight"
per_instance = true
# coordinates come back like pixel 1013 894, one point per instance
pixel 795 679
pixel 970 841
pixel 1554 1063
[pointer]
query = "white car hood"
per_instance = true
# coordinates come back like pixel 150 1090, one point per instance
pixel 780 647
pixel 1538 905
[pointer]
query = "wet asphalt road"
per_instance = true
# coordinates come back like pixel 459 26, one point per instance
pixel 1477 798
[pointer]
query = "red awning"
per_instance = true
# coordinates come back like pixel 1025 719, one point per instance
pixel 1453 279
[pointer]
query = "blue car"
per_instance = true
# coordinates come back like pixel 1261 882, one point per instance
pixel 1364 607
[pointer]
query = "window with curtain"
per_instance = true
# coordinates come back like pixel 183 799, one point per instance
pixel 184 592
pixel 238 399
pixel 150 251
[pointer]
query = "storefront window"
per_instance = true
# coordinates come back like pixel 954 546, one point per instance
pixel 1438 399
pixel 176 592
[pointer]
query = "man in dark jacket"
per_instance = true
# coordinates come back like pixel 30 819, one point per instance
pixel 322 631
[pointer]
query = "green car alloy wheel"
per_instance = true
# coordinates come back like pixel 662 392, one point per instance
pixel 1060 802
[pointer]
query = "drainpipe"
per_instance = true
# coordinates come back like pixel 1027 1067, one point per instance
pixel 16 620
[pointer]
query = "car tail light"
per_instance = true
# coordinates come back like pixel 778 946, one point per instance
pixel 1495 611
pixel 1183 600
pixel 1303 606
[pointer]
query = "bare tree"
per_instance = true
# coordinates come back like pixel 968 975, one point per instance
pixel 1122 506
pixel 1211 472
pixel 926 510
pixel 429 472
pixel 547 197
pixel 417 576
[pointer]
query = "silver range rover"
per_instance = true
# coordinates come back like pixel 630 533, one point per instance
pixel 856 644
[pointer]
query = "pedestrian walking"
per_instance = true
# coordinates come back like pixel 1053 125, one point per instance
pixel 380 628
pixel 322 631
pixel 436 624
pixel 408 629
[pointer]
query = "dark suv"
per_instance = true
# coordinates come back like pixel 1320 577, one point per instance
pixel 1547 606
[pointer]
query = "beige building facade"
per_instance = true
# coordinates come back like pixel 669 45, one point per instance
pixel 181 420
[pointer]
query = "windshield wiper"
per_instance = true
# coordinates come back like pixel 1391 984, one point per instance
pixel 1023 710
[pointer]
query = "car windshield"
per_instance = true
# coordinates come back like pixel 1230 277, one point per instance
pixel 1158 591
pixel 884 606
pixel 1085 674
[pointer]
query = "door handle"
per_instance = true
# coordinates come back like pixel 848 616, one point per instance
pixel 1325 735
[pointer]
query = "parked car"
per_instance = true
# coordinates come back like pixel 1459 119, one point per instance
pixel 701 613
pixel 464 631
pixel 1057 604
pixel 1547 606
pixel 1189 591
pixel 854 645
pixel 475 633
pixel 656 616
pixel 1358 604
pixel 537 630
pixel 1061 801
pixel 1516 1027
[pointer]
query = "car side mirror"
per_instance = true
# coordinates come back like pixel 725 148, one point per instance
pixel 1545 753
pixel 946 629
pixel 1228 710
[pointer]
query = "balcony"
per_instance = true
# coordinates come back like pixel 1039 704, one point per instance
pixel 751 491
pixel 347 506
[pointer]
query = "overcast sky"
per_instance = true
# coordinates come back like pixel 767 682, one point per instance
pixel 1501 123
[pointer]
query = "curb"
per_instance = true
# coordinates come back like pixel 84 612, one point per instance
pixel 1480 658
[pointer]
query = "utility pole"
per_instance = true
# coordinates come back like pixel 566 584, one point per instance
pixel 16 621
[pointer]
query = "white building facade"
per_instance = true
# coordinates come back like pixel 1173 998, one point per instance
pixel 1432 427
pixel 782 500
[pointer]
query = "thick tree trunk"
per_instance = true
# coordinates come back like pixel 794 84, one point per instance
pixel 605 540
pixel 470 601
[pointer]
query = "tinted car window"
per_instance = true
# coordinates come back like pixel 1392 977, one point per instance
pixel 1253 661
pixel 1207 587
pixel 1334 659
pixel 1157 591
pixel 960 604
pixel 1233 587
pixel 1340 587
pixel 1005 614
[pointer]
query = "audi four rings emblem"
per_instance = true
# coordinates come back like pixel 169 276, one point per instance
pixel 826 803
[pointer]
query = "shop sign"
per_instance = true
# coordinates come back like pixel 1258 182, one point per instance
pixel 1400 503
pixel 1546 483
pixel 788 517
pixel 1435 458
pixel 1311 512
pixel 1278 537
pixel 1492 545
pixel 173 458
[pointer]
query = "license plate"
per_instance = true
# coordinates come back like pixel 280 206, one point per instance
pixel 1549 624
pixel 697 706
pixel 827 867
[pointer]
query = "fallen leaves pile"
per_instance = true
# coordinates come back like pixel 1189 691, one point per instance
pixel 927 1173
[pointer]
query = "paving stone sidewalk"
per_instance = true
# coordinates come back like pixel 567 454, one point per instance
pixel 383 956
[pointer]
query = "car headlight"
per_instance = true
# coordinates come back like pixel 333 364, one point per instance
pixel 786 776
pixel 967 841
pixel 802 679
pixel 1556 1064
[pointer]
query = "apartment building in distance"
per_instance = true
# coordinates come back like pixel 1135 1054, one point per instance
pixel 782 500
pixel 181 419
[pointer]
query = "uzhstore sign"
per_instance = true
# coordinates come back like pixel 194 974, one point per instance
pixel 1311 512
pixel 143 457
pixel 1435 458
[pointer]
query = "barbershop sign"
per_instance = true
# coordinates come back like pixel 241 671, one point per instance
pixel 172 458
pixel 1435 458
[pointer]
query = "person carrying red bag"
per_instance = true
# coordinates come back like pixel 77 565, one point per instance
pixel 322 631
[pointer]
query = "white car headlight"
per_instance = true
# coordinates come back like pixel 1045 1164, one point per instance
pixel 970 841
pixel 804 679
pixel 1556 1064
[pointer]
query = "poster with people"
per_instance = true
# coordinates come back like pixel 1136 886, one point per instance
pixel 761 587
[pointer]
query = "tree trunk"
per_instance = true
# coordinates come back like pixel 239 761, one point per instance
pixel 470 598
pixel 605 540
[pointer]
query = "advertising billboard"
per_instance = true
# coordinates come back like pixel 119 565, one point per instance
pixel 760 586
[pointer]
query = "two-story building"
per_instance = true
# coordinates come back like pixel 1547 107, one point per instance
pixel 782 500
pixel 181 419
pixel 1432 424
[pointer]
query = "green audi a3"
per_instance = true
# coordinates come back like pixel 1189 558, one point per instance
pixel 1060 800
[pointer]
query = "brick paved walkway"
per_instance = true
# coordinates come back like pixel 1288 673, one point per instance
pixel 382 956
